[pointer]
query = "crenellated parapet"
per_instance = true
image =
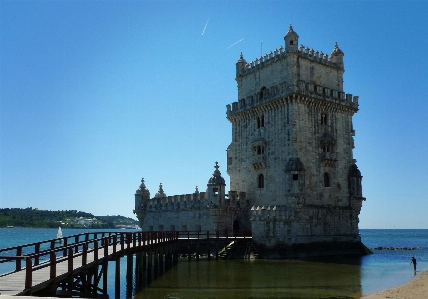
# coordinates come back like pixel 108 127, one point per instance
pixel 278 54
pixel 335 60
pixel 280 92
pixel 195 201
pixel 178 202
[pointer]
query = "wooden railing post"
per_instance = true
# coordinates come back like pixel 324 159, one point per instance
pixel 18 261
pixel 65 247
pixel 122 241
pixel 95 249
pixel 114 243
pixel 70 259
pixel 28 275
pixel 84 253
pixel 36 253
pixel 76 240
pixel 52 257
pixel 105 246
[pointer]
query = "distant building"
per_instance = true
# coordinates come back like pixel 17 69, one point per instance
pixel 290 161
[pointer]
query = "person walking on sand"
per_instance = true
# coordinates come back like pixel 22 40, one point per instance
pixel 414 263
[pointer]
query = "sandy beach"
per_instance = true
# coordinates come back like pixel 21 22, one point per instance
pixel 417 288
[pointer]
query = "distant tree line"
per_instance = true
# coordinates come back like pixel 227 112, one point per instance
pixel 31 217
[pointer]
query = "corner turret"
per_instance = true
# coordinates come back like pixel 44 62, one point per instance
pixel 241 66
pixel 291 41
pixel 337 56
pixel 142 197
pixel 216 187
pixel 354 178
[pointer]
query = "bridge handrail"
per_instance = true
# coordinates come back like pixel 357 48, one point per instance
pixel 222 233
pixel 59 239
pixel 122 238
pixel 65 249
pixel 117 238
pixel 51 242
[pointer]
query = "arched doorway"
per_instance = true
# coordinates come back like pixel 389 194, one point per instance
pixel 235 227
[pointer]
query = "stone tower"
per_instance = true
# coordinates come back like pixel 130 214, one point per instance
pixel 292 143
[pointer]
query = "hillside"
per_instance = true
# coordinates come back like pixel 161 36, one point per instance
pixel 31 217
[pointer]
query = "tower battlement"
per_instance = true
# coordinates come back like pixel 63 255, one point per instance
pixel 279 53
pixel 282 91
pixel 191 201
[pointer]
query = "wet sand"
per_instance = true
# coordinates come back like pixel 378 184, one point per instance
pixel 417 288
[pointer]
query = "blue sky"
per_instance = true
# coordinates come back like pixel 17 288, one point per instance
pixel 96 95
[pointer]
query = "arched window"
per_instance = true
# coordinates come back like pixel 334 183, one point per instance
pixel 260 121
pixel 261 181
pixel 326 180
pixel 261 92
pixel 324 119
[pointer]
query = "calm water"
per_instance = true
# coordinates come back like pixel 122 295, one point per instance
pixel 325 278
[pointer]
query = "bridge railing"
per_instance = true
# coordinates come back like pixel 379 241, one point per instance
pixel 50 244
pixel 119 242
pixel 216 234
pixel 42 255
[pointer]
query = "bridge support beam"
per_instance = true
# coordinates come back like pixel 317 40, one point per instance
pixel 129 275
pixel 117 278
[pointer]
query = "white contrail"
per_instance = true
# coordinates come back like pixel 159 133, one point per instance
pixel 203 31
pixel 233 44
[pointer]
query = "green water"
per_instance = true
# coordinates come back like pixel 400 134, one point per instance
pixel 257 279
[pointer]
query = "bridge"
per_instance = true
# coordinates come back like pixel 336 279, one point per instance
pixel 76 266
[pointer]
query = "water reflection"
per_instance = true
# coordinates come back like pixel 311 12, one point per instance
pixel 258 279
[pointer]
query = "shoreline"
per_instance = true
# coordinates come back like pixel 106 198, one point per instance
pixel 416 288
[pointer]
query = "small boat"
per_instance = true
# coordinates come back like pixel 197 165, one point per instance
pixel 59 235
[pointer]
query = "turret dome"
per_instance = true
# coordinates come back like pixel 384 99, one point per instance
pixel 142 189
pixel 336 51
pixel 160 193
pixel 216 178
pixel 337 56
pixel 291 32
